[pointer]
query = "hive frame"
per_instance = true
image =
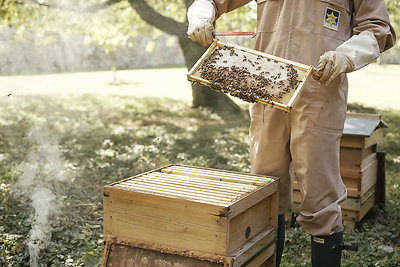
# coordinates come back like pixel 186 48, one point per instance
pixel 193 76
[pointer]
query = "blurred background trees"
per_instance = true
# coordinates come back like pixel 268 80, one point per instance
pixel 39 36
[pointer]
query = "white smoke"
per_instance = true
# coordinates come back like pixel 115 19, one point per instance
pixel 43 204
pixel 40 171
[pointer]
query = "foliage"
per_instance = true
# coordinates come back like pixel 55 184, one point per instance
pixel 107 139
pixel 109 26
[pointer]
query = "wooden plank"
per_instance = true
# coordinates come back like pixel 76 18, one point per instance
pixel 169 193
pixel 265 178
pixel 162 254
pixel 352 141
pixel 170 222
pixel 351 157
pixel 353 186
pixel 248 224
pixel 366 206
pixel 357 172
pixel 161 182
pixel 106 253
pixel 202 58
pixel 215 186
pixel 257 244
pixel 223 173
pixel 368 179
pixel 361 142
pixel 128 256
pixel 273 220
pixel 214 181
pixel 214 177
pixel 300 87
pixel 356 216
pixel 376 136
pixel 137 253
pixel 262 259
pixel 252 198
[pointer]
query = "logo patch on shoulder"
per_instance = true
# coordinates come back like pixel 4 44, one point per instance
pixel 331 19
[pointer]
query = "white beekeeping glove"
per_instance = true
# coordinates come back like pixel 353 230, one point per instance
pixel 355 53
pixel 201 15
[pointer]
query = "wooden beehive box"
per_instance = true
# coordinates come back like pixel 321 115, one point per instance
pixel 358 157
pixel 218 216
pixel 358 165
pixel 256 63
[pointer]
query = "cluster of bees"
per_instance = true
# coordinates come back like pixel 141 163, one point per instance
pixel 247 79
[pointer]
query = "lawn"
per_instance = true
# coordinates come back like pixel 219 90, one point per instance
pixel 64 136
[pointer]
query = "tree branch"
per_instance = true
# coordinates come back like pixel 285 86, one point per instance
pixel 188 3
pixel 97 7
pixel 155 19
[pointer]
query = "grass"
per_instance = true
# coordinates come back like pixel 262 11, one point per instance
pixel 69 146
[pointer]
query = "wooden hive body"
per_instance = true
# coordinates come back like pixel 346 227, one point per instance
pixel 193 211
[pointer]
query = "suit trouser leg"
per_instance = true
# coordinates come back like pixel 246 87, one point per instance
pixel 310 135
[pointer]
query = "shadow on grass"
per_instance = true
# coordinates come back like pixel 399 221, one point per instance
pixel 102 140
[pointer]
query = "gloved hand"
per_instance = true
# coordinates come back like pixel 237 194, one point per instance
pixel 201 15
pixel 354 54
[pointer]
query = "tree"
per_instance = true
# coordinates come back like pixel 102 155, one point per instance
pixel 393 7
pixel 202 95
pixel 117 22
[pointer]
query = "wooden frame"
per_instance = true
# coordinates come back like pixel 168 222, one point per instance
pixel 287 101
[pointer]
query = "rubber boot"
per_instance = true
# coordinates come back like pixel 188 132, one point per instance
pixel 280 238
pixel 326 251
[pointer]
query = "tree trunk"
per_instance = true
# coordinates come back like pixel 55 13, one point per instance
pixel 203 96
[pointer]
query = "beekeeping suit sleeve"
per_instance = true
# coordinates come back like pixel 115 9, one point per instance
pixel 372 34
pixel 201 15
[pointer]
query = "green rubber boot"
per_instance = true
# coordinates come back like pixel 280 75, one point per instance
pixel 280 238
pixel 326 251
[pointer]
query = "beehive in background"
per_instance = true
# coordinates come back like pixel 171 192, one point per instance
pixel 361 166
pixel 190 215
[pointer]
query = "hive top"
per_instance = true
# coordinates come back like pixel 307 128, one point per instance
pixel 362 124
pixel 209 186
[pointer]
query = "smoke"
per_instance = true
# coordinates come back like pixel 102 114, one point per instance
pixel 41 173
pixel 43 205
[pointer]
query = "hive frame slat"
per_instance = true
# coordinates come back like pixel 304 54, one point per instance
pixel 211 176
pixel 161 181
pixel 195 184
pixel 169 194
pixel 222 173
pixel 156 187
pixel 218 183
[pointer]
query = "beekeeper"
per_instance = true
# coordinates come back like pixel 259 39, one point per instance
pixel 337 36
